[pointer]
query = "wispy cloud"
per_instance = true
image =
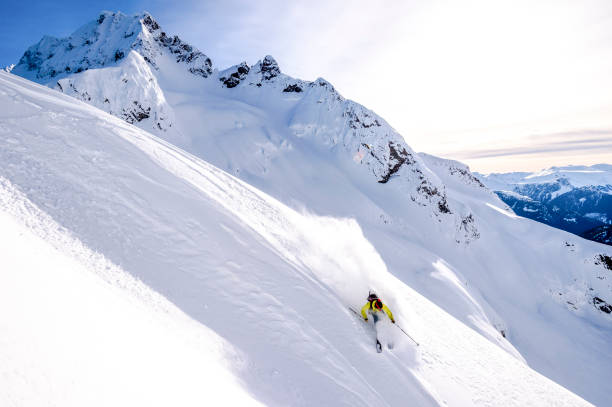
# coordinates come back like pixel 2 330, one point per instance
pixel 576 140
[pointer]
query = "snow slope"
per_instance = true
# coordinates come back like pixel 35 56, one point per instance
pixel 274 283
pixel 78 330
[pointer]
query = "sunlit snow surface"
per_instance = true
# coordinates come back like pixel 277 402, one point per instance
pixel 77 330
pixel 274 283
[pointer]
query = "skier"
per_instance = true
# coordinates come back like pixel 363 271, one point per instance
pixel 373 307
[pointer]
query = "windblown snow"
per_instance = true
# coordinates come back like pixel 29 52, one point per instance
pixel 262 289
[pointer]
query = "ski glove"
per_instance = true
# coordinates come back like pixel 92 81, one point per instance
pixel 393 321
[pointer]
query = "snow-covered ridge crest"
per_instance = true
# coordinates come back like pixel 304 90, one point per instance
pixel 575 175
pixel 130 92
pixel 324 116
pixel 109 63
pixel 454 168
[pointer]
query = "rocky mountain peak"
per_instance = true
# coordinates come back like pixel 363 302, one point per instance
pixel 264 70
pixel 106 41
pixel 149 22
pixel 231 77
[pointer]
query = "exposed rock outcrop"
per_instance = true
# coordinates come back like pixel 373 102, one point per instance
pixel 232 76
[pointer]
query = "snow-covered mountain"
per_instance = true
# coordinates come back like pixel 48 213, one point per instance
pixel 129 67
pixel 346 207
pixel 576 175
pixel 577 199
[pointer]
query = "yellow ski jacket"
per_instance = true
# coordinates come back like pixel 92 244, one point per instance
pixel 368 306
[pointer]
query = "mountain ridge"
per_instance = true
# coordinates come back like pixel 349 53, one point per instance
pixel 377 145
pixel 577 199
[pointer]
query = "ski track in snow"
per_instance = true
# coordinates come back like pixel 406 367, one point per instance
pixel 272 282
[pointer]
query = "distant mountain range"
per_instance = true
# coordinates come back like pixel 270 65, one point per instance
pixel 577 199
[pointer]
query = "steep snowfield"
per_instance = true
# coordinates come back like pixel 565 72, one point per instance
pixel 274 283
pixel 501 274
pixel 77 330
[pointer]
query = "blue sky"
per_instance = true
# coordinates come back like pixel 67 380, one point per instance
pixel 497 84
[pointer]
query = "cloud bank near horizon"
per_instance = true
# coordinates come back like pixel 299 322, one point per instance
pixel 577 140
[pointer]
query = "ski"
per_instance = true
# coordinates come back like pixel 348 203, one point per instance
pixel 378 344
pixel 378 347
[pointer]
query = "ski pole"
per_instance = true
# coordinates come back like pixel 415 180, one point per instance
pixel 417 344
